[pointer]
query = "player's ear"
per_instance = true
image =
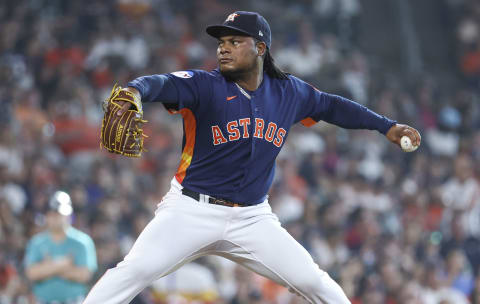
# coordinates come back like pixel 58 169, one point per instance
pixel 261 48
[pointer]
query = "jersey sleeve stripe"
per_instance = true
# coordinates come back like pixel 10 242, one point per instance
pixel 190 130
pixel 308 122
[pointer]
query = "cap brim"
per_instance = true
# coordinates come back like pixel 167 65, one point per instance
pixel 220 30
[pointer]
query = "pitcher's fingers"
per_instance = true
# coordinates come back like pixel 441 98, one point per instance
pixel 415 136
pixel 124 108
pixel 411 134
pixel 419 137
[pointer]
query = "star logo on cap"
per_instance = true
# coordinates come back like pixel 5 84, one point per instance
pixel 231 17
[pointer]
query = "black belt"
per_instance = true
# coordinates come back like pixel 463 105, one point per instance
pixel 212 200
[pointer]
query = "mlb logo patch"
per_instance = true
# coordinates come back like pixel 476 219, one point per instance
pixel 183 74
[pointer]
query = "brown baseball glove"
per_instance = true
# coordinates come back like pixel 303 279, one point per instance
pixel 122 134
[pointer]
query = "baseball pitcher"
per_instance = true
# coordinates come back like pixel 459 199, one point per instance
pixel 236 119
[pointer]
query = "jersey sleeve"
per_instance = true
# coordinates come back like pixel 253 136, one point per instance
pixel 85 255
pixel 33 254
pixel 314 105
pixel 177 90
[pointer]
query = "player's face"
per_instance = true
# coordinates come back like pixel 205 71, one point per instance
pixel 236 54
pixel 56 221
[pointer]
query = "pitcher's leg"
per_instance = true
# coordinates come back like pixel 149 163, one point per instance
pixel 174 236
pixel 268 249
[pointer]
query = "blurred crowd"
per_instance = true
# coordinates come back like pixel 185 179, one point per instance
pixel 390 227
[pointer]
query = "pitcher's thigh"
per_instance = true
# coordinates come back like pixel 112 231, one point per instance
pixel 171 239
pixel 268 249
pixel 172 236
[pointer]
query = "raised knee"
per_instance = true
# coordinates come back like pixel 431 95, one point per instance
pixel 318 287
pixel 313 282
pixel 138 269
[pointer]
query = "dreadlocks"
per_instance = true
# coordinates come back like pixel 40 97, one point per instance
pixel 271 69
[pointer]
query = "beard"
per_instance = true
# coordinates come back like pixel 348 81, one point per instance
pixel 238 73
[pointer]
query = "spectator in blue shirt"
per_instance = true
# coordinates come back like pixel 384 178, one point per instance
pixel 61 260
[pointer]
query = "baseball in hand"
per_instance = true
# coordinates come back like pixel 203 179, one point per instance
pixel 406 144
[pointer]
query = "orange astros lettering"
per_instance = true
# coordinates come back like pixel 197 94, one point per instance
pixel 237 129
pixel 231 97
pixel 218 137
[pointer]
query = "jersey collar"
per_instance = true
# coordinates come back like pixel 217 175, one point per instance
pixel 243 91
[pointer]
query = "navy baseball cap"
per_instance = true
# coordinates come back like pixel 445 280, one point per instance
pixel 248 23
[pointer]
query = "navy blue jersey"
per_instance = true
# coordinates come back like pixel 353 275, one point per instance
pixel 232 137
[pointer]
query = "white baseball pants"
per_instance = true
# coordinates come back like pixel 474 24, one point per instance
pixel 184 229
